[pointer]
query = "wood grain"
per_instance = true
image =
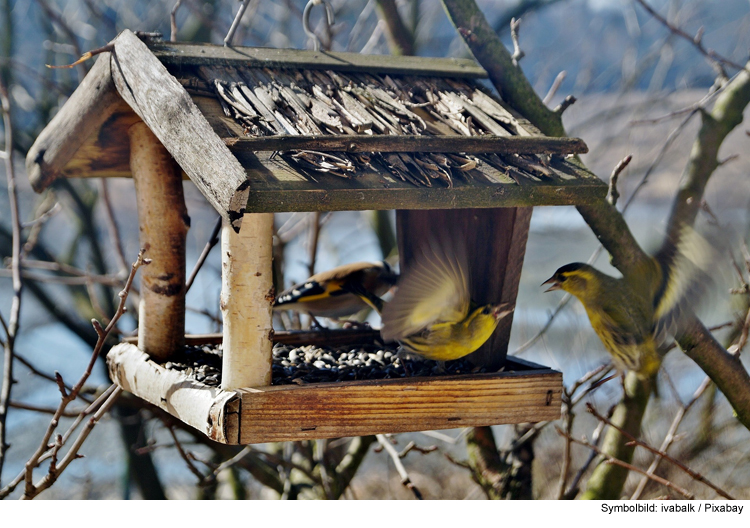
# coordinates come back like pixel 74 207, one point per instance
pixel 167 109
pixel 286 413
pixel 411 143
pixel 91 105
pixel 181 54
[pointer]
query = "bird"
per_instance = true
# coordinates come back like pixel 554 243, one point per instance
pixel 637 315
pixel 431 313
pixel 339 292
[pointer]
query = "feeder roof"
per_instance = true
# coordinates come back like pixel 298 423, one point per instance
pixel 269 130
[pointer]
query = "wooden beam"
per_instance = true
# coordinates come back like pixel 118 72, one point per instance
pixel 325 337
pixel 246 301
pixel 180 54
pixel 495 246
pixel 203 407
pixel 331 410
pixel 170 113
pixel 91 104
pixel 410 143
pixel 163 222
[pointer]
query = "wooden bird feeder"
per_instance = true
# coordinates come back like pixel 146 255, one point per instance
pixel 260 131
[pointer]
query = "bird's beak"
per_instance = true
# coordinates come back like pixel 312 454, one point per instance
pixel 554 282
pixel 502 310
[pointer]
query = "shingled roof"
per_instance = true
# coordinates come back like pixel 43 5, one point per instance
pixel 267 130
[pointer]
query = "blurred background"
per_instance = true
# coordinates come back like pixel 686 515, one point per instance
pixel 632 78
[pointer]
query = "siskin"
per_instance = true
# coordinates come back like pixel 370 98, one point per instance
pixel 338 292
pixel 431 313
pixel 635 316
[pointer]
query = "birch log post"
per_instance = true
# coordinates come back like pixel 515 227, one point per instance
pixel 163 224
pixel 246 301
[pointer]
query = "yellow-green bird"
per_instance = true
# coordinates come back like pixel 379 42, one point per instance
pixel 431 313
pixel 338 292
pixel 635 316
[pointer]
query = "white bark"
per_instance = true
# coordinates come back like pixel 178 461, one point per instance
pixel 246 301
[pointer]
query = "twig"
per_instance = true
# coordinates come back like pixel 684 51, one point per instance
pixel 173 21
pixel 236 22
pixel 31 489
pixel 114 232
pixel 405 480
pixel 696 40
pixel 82 280
pixel 670 436
pixel 55 17
pixel 612 460
pixel 555 86
pixel 25 362
pixel 612 193
pixel 572 491
pixel 194 470
pixel 43 410
pixel 412 446
pixel 633 440
pixel 13 324
pixel 518 53
pixel 313 241
pixel 212 241
pixel 568 101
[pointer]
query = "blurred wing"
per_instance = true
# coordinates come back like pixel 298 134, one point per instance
pixel 434 289
pixel 688 266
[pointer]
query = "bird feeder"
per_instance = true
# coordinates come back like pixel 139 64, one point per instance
pixel 260 131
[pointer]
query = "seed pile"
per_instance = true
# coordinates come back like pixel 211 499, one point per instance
pixel 319 364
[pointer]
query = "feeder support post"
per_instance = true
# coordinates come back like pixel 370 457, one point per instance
pixel 247 297
pixel 163 224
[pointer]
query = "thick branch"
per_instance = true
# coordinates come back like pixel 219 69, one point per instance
pixel 607 480
pixel 509 80
pixel 400 38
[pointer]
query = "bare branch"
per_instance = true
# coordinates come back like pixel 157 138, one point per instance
pixel 555 86
pixel 518 53
pixel 405 480
pixel 13 324
pixel 633 440
pixel 236 22
pixel 630 467
pixel 697 41
pixel 212 241
pixel 173 21
pixel 612 194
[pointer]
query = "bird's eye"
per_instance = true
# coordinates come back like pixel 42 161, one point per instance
pixel 486 310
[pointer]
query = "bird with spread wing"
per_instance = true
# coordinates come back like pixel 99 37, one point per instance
pixel 637 316
pixel 431 313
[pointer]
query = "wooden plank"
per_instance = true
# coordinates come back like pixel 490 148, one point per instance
pixel 168 110
pixel 178 54
pixel 163 226
pixel 194 403
pixel 246 300
pixel 90 106
pixel 286 413
pixel 326 336
pixel 487 235
pixel 410 143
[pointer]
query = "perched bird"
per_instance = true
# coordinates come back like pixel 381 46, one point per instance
pixel 637 315
pixel 338 292
pixel 431 313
